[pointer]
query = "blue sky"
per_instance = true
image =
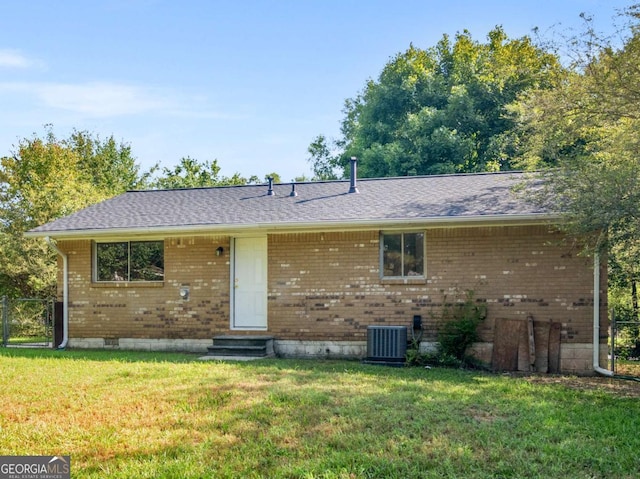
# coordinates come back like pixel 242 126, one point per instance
pixel 247 83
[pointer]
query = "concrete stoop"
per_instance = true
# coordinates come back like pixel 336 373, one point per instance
pixel 239 347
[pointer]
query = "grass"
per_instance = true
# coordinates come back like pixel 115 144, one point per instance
pixel 629 368
pixel 124 414
pixel 29 339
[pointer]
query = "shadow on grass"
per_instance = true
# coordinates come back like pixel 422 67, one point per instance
pixel 98 355
pixel 285 418
pixel 320 367
pixel 297 367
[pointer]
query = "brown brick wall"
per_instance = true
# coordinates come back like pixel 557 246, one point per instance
pixel 153 310
pixel 326 286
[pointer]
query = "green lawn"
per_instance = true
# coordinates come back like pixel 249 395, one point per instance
pixel 30 339
pixel 168 415
pixel 630 368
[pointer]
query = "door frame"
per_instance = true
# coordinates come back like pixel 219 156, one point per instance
pixel 232 302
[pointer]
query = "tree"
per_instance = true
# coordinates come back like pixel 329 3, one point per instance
pixel 440 110
pixel 109 165
pixel 586 130
pixel 274 176
pixel 47 178
pixel 191 173
pixel 323 159
pixel 586 133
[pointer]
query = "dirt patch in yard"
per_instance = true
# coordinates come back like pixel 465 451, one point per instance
pixel 619 387
pixel 626 383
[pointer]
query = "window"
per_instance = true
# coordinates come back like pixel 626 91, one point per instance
pixel 129 261
pixel 402 255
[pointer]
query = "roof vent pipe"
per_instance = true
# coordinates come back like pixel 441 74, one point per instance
pixel 270 191
pixel 354 173
pixel 293 190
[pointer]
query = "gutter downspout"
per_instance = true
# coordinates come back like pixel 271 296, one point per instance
pixel 596 318
pixel 65 293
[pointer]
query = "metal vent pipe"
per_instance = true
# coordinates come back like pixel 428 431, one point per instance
pixel 353 188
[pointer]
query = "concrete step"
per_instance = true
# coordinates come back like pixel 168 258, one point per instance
pixel 237 350
pixel 242 346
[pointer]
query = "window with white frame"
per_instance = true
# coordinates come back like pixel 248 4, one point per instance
pixel 402 255
pixel 129 261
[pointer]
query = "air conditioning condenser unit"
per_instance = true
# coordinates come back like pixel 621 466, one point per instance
pixel 386 344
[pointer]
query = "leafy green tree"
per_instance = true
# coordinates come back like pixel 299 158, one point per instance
pixel 109 165
pixel 275 176
pixel 39 183
pixel 587 132
pixel 191 173
pixel 47 178
pixel 440 110
pixel 323 159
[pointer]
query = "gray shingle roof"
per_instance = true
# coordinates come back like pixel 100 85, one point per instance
pixel 384 200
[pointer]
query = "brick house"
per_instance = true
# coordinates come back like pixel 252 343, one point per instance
pixel 314 264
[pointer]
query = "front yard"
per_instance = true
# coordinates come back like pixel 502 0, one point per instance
pixel 168 415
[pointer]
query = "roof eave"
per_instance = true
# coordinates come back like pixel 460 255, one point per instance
pixel 440 221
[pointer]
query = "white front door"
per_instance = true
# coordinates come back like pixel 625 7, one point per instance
pixel 249 284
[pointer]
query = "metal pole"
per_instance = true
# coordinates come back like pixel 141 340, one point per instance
pixel 5 321
pixel 614 328
pixel 50 313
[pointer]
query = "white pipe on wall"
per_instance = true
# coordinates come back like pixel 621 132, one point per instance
pixel 65 293
pixel 596 318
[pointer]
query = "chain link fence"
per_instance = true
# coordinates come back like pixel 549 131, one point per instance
pixel 27 321
pixel 624 340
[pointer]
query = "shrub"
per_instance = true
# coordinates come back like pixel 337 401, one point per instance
pixel 459 330
pixel 460 326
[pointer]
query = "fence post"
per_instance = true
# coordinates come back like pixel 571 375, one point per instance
pixel 614 331
pixel 51 304
pixel 5 321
